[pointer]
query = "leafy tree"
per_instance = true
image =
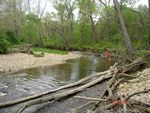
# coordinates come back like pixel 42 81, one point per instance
pixel 4 44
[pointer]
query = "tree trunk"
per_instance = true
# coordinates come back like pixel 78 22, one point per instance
pixel 94 34
pixel 128 43
pixel 149 25
pixel 15 21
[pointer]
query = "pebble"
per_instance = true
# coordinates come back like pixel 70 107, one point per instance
pixel 139 84
pixel 20 61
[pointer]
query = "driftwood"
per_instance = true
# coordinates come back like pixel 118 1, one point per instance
pixel 9 103
pixel 139 103
pixel 115 85
pixel 64 93
pixel 77 110
pixel 124 101
pixel 76 87
pixel 90 98
pixel 131 67
pixel 136 93
pixel 109 84
pixel 122 73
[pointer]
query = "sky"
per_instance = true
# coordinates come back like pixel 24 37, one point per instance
pixel 50 8
pixel 143 2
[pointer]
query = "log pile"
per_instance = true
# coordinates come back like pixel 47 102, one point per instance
pixel 113 76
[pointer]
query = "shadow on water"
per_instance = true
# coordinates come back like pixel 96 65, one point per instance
pixel 32 81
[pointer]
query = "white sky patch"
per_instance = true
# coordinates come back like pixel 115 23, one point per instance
pixel 50 9
pixel 142 2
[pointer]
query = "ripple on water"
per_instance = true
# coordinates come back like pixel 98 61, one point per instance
pixel 2 94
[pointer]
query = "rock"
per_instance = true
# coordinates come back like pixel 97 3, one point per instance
pixel 20 61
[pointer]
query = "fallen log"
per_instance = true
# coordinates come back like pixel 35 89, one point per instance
pixel 90 98
pixel 65 93
pixel 44 97
pixel 77 110
pixel 131 66
pixel 109 84
pixel 13 102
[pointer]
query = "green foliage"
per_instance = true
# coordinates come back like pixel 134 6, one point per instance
pixel 44 50
pixel 143 54
pixel 38 54
pixel 12 38
pixel 4 44
pixel 65 30
pixel 30 33
pixel 32 18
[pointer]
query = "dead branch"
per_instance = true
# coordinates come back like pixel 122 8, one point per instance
pixel 109 84
pixel 90 98
pixel 131 101
pixel 131 66
pixel 114 86
pixel 136 93
pixel 54 95
pixel 77 110
pixel 126 75
pixel 13 102
pixel 110 105
pixel 64 93
pixel 143 109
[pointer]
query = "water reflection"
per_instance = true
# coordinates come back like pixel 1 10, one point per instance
pixel 32 81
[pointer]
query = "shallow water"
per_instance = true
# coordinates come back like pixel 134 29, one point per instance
pixel 37 80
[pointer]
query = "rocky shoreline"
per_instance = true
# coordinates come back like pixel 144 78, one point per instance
pixel 21 61
pixel 140 83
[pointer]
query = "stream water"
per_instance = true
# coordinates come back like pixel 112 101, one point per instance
pixel 37 80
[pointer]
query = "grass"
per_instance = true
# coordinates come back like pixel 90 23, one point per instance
pixel 143 53
pixel 50 51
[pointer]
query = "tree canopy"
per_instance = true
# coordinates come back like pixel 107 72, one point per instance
pixel 75 24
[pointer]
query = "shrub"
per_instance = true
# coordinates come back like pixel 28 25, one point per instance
pixel 4 44
pixel 11 37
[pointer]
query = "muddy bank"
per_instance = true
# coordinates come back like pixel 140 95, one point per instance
pixel 20 61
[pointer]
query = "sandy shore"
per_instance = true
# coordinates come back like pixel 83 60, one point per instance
pixel 20 61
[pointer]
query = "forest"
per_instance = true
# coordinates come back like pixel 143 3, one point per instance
pixel 85 25
pixel 74 56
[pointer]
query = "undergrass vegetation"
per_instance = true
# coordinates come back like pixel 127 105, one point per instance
pixel 50 51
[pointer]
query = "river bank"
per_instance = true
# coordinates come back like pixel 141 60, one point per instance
pixel 139 83
pixel 20 61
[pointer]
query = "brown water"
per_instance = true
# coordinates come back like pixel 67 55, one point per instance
pixel 37 80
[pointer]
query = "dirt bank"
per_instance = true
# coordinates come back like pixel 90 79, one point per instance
pixel 20 61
